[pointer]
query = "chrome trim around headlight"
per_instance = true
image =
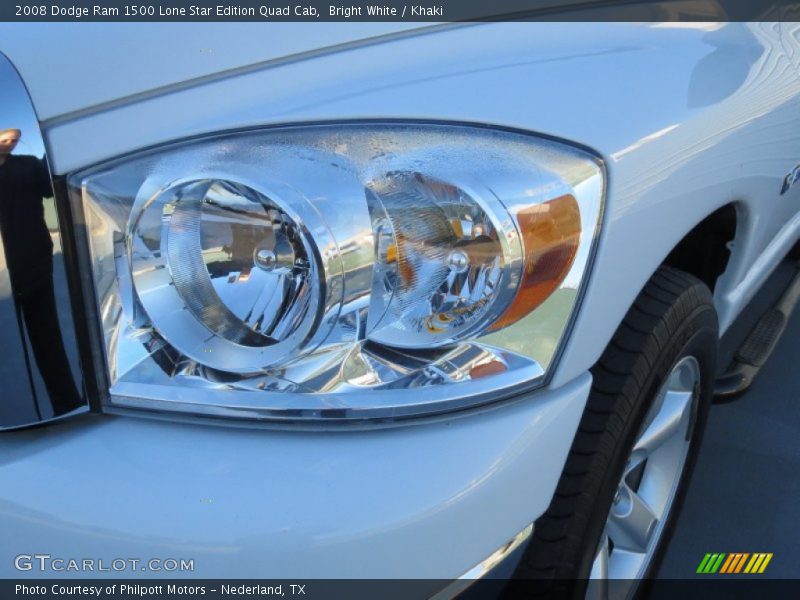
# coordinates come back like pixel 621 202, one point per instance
pixel 511 195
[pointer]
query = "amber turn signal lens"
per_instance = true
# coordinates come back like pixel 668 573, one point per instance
pixel 550 236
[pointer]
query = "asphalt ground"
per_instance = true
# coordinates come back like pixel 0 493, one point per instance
pixel 744 495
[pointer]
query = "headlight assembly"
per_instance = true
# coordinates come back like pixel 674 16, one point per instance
pixel 343 271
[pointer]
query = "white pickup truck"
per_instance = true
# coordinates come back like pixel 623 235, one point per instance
pixel 378 300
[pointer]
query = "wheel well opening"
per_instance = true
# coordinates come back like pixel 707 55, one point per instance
pixel 705 250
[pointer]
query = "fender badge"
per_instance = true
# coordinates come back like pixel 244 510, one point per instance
pixel 790 179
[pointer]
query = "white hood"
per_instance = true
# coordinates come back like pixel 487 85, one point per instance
pixel 71 67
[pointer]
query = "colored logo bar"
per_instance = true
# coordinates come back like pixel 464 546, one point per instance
pixel 735 562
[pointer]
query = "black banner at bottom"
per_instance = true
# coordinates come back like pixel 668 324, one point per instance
pixel 384 589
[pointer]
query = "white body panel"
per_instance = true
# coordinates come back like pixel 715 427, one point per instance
pixel 688 118
pixel 419 501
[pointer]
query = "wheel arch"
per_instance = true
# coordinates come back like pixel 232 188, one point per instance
pixel 705 251
pixel 705 246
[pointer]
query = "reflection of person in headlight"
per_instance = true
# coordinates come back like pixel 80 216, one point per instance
pixel 24 183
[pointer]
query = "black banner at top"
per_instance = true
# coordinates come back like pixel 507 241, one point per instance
pixel 398 10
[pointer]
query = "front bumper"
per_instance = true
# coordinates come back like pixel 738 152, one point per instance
pixel 269 503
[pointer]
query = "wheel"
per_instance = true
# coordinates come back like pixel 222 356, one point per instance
pixel 632 455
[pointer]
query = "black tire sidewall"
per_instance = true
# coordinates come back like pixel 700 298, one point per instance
pixel 697 336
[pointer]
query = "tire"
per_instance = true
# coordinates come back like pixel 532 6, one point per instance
pixel 794 253
pixel 671 326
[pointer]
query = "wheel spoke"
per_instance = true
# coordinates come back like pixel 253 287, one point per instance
pixel 631 521
pixel 648 485
pixel 671 420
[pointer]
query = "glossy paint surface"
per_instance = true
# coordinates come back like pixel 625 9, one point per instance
pixel 687 117
pixel 420 501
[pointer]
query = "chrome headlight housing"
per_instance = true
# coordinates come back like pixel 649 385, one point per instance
pixel 337 271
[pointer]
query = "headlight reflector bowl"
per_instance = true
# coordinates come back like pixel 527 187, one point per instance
pixel 225 274
pixel 442 262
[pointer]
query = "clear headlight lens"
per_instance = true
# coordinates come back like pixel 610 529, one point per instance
pixel 338 271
